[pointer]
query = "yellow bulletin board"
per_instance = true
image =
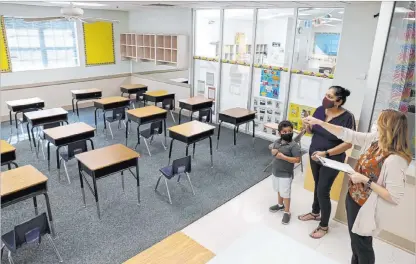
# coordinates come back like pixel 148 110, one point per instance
pixel 297 112
pixel 99 43
pixel 5 65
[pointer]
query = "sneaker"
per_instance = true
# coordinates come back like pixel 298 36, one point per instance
pixel 276 208
pixel 286 218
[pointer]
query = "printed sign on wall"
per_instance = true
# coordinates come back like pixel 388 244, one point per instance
pixel 297 112
pixel 270 83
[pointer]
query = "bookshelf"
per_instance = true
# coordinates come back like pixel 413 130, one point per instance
pixel 236 52
pixel 160 48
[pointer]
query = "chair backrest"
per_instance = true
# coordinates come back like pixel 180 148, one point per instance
pixel 205 113
pixel 140 93
pixel 119 113
pixel 156 128
pixel 76 148
pixel 51 125
pixel 31 231
pixel 167 104
pixel 181 165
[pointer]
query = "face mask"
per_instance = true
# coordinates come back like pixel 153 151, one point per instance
pixel 287 137
pixel 326 103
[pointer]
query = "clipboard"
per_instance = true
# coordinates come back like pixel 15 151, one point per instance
pixel 336 165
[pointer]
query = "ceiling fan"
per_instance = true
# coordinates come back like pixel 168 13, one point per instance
pixel 70 13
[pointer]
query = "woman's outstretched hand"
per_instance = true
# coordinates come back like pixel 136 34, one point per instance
pixel 310 120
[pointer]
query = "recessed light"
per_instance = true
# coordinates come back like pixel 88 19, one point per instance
pixel 341 12
pixel 402 10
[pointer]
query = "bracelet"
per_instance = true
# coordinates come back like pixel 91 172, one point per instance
pixel 327 154
pixel 368 184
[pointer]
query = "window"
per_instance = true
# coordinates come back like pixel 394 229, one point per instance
pixel 41 45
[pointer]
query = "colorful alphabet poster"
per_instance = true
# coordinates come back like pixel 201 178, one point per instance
pixel 297 112
pixel 270 83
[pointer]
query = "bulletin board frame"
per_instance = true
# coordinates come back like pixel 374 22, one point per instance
pixel 99 43
pixel 4 49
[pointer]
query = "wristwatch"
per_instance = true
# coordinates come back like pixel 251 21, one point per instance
pixel 327 154
pixel 368 184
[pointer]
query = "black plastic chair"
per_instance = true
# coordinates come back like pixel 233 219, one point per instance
pixel 178 167
pixel 169 104
pixel 140 96
pixel 118 114
pixel 204 115
pixel 41 138
pixel 156 128
pixel 29 232
pixel 72 150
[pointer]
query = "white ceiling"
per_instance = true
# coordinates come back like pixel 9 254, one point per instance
pixel 137 5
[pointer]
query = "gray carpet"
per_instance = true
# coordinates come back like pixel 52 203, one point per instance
pixel 125 228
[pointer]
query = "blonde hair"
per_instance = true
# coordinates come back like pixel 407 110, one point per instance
pixel 394 134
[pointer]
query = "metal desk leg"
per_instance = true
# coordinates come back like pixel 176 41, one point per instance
pixel 82 184
pixel 127 130
pixel 49 156
pixel 138 181
pixel 219 132
pixel 9 167
pixel 58 164
pixel 11 123
pixel 95 117
pixel 193 152
pixel 235 132
pixel 35 204
pixel 254 136
pixel 122 180
pixel 164 125
pixel 73 107
pixel 94 180
pixel 105 125
pixel 170 150
pixel 210 151
pixel 48 207
pixel 92 143
pixel 180 112
pixel 33 137
pixel 187 146
pixel 192 113
pixel 76 104
pixel 28 133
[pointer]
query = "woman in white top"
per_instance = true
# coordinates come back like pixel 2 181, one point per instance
pixel 378 183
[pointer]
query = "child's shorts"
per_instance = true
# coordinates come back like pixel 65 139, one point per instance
pixel 282 185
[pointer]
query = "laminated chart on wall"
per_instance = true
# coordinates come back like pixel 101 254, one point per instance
pixel 5 65
pixel 99 43
pixel 270 84
pixel 297 112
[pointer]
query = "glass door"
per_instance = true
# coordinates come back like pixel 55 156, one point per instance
pixel 206 57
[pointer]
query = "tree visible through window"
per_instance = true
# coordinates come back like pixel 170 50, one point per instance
pixel 41 45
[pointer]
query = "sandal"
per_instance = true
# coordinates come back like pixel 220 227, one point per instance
pixel 309 216
pixel 319 230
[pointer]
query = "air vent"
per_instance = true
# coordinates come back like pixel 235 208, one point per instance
pixel 160 5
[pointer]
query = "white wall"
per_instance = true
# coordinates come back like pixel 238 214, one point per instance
pixel 39 76
pixel 273 30
pixel 160 21
pixel 354 54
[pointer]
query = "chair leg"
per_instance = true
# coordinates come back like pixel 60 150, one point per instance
pixel 59 170
pixel 151 140
pixel 167 189
pixel 9 256
pixel 145 142
pixel 66 172
pixel 173 118
pixel 268 166
pixel 43 150
pixel 190 183
pixel 111 131
pixel 122 180
pixel 163 143
pixel 158 180
pixel 54 248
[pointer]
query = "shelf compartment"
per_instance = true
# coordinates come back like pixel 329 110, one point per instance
pixel 147 53
pixel 160 55
pixel 152 53
pixel 174 56
pixel 168 55
pixel 168 42
pixel 139 40
pixel 160 41
pixel 174 42
pixel 123 39
pixel 146 40
pixel 140 52
pixel 152 41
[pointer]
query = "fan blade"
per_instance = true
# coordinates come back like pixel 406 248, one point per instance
pixel 93 19
pixel 40 19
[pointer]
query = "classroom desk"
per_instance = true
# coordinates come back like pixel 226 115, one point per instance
pixel 145 115
pixel 8 154
pixel 130 89
pixel 83 95
pixel 24 183
pixel 190 133
pixel 103 162
pixel 43 117
pixel 194 104
pixel 158 96
pixel 64 135
pixel 19 106
pixel 236 116
pixel 109 103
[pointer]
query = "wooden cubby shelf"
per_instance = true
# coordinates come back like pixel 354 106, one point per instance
pixel 160 48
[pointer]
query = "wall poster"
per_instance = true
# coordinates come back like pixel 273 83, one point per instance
pixel 297 112
pixel 270 84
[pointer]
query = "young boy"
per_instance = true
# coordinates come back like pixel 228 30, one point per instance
pixel 286 153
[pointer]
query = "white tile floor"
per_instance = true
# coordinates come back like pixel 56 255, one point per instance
pixel 223 227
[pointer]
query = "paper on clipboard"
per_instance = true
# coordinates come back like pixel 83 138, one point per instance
pixel 336 165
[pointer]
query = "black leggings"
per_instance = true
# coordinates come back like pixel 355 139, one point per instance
pixel 361 246
pixel 324 177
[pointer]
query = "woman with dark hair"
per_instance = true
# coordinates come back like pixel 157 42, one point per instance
pixel 324 144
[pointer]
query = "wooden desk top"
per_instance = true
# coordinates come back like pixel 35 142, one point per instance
pixel 237 112
pixel 157 93
pixel 175 249
pixel 191 128
pixel 133 86
pixel 273 126
pixel 20 178
pixel 110 100
pixel 68 130
pixel 146 111
pixel 5 147
pixel 85 91
pixel 107 156
pixel 196 100
pixel 45 113
pixel 27 101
